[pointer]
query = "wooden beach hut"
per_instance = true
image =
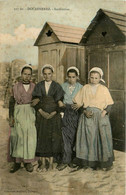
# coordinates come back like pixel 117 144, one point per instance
pixel 59 45
pixel 104 42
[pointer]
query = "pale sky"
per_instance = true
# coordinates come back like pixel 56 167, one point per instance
pixel 21 21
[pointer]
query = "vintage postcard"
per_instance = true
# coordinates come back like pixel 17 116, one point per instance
pixel 81 34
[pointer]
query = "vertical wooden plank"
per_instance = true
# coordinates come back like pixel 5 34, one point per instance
pixel 63 59
pixel 39 64
pixel 53 58
pixel 81 64
pixel 108 70
pixel 71 53
pixel 83 67
pixel 60 65
pixel 44 59
pixel 116 72
pixel 78 58
pixel 117 118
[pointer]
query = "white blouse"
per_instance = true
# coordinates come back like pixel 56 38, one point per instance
pixel 47 86
pixel 26 87
pixel 98 97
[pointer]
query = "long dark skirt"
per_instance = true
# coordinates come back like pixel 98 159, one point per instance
pixel 69 129
pixel 94 140
pixel 49 136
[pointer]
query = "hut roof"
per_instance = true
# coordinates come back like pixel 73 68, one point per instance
pixel 64 33
pixel 117 18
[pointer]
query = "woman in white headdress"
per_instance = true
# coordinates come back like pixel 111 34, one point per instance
pixel 22 122
pixel 70 116
pixel 94 138
pixel 48 123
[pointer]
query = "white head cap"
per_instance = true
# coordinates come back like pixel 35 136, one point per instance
pixel 27 66
pixel 48 66
pixel 99 70
pixel 76 69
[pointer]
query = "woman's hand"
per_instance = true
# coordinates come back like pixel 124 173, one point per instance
pixel 61 104
pixel 52 114
pixel 75 107
pixel 44 114
pixel 88 114
pixel 35 102
pixel 11 122
pixel 103 113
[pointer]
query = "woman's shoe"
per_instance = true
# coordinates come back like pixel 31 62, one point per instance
pixel 76 169
pixel 41 168
pixel 28 167
pixel 71 165
pixel 107 169
pixel 60 167
pixel 15 167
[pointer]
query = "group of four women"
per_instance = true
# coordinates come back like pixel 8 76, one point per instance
pixel 51 122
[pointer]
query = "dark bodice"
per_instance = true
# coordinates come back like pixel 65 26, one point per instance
pixel 48 102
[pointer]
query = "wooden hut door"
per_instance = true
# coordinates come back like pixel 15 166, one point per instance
pixel 112 64
pixel 49 56
pixel 98 59
pixel 116 86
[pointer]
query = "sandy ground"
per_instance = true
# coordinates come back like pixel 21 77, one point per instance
pixel 56 182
